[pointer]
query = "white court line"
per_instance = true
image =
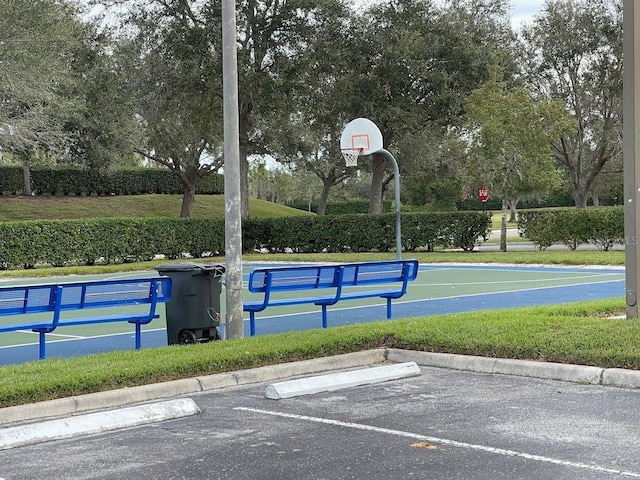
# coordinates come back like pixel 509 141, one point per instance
pixel 537 280
pixel 444 441
pixel 71 339
pixel 52 334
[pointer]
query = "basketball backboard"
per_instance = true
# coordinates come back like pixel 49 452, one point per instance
pixel 362 136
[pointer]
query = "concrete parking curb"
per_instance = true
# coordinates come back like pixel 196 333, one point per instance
pixel 340 380
pixel 523 368
pixel 98 422
pixel 129 396
pixel 146 393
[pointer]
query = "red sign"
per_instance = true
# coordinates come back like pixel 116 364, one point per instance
pixel 483 194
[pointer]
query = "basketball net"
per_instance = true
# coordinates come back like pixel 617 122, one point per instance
pixel 351 156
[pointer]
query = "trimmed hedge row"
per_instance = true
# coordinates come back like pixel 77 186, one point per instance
pixel 27 244
pixel 62 242
pixel 602 227
pixel 81 181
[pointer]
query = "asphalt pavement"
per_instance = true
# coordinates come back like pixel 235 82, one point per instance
pixel 462 417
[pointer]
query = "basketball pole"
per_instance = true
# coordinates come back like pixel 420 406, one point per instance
pixel 396 187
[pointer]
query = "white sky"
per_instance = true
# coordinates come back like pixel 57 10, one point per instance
pixel 524 10
pixel 521 11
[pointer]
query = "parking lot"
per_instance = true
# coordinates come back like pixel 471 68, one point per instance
pixel 442 424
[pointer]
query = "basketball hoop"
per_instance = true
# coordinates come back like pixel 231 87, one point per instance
pixel 351 156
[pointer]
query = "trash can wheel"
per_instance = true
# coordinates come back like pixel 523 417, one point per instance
pixel 187 337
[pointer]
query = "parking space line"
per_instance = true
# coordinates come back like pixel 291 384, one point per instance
pixel 442 441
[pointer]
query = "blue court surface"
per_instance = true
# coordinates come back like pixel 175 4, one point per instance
pixel 438 289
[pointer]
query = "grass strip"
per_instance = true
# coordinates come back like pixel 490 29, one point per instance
pixel 580 333
pixel 533 257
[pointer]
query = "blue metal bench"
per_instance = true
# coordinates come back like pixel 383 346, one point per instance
pixel 326 285
pixel 132 300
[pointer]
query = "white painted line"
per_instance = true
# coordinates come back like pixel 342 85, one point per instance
pixel 96 423
pixel 128 334
pixel 336 381
pixel 443 441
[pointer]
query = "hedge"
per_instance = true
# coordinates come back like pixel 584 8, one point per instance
pixel 27 244
pixel 602 227
pixel 82 181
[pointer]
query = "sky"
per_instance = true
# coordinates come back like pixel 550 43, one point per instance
pixel 521 11
pixel 524 10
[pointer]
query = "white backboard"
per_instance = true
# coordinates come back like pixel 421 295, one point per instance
pixel 363 135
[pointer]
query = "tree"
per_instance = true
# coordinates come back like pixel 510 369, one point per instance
pixel 419 60
pixel 510 138
pixel 104 131
pixel 305 135
pixel 38 43
pixel 178 85
pixel 574 54
pixel 273 39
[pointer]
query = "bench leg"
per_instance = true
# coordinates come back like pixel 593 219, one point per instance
pixel 42 346
pixel 388 308
pixel 252 323
pixel 325 323
pixel 138 335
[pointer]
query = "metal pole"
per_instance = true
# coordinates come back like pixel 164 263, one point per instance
pixel 396 186
pixel 631 114
pixel 233 212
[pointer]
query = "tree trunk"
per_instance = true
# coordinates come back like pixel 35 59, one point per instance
pixel 377 184
pixel 595 199
pixel 513 216
pixel 26 181
pixel 188 198
pixel 244 179
pixel 324 196
pixel 503 226
pixel 244 115
pixel 580 197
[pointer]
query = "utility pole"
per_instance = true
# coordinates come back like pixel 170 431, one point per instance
pixel 232 213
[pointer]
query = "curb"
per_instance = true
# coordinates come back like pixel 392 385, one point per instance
pixel 340 380
pixel 612 377
pixel 145 393
pixel 99 422
pixel 522 368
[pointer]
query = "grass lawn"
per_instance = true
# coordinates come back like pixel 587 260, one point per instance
pixel 165 206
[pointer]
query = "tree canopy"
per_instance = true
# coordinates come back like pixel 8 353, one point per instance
pixel 511 137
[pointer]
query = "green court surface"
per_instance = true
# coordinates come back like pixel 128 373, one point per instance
pixel 434 282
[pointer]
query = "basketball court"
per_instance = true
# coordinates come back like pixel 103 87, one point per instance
pixel 438 289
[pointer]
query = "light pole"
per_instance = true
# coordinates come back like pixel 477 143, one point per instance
pixel 233 210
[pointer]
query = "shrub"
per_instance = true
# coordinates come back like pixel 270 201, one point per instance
pixel 602 226
pixel 115 240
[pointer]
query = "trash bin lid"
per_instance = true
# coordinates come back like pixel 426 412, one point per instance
pixel 211 268
pixel 177 267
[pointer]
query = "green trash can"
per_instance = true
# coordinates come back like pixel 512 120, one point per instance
pixel 193 311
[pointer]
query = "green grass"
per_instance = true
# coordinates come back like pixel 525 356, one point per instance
pixel 578 333
pixel 50 208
